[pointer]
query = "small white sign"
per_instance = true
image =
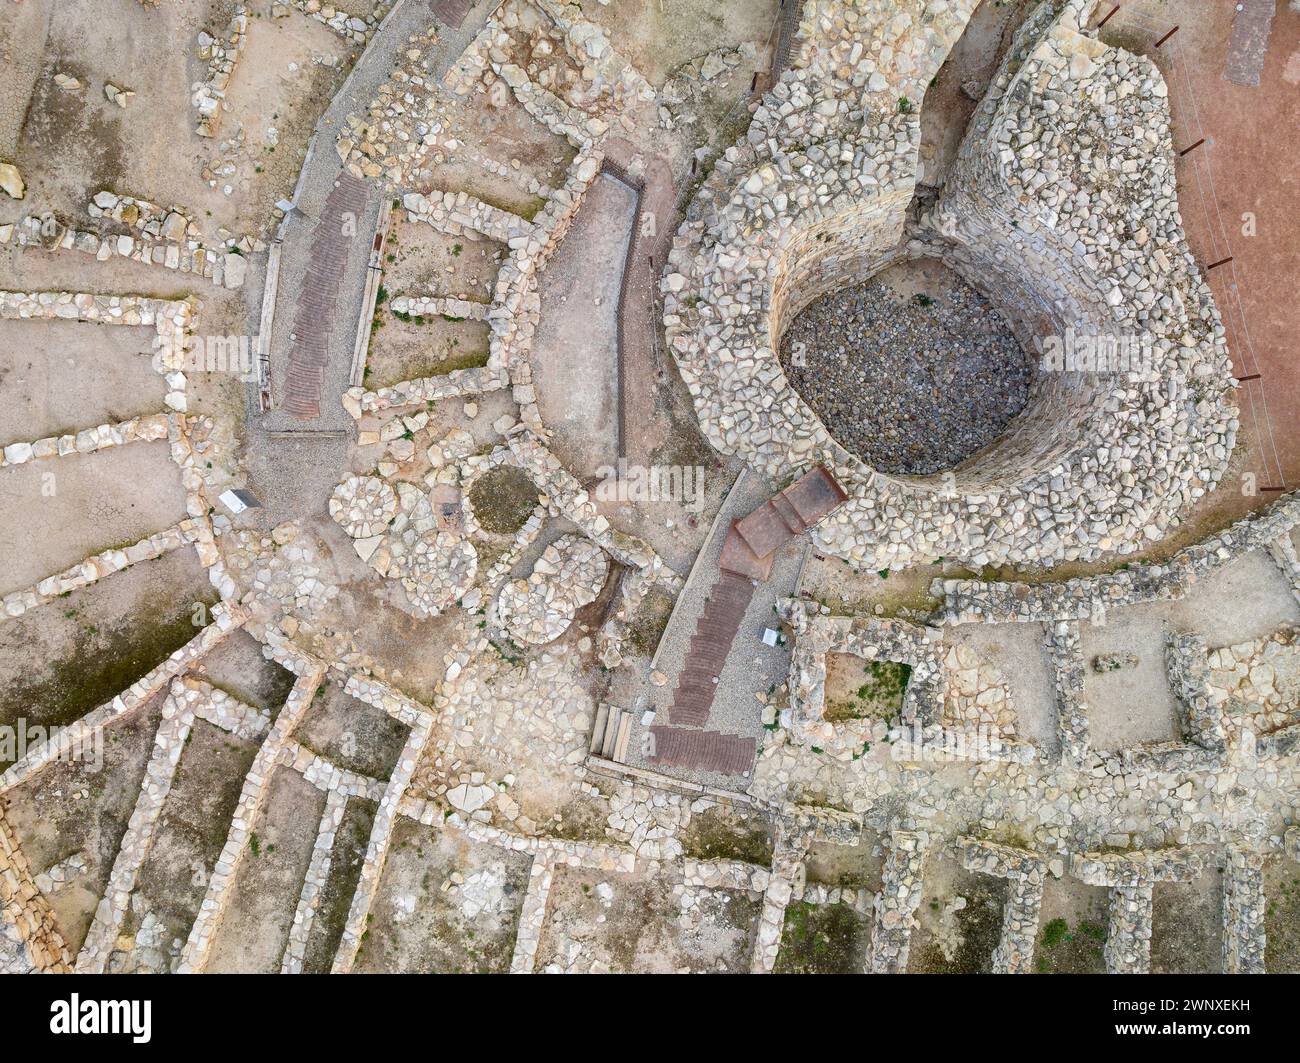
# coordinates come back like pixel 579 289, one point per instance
pixel 232 501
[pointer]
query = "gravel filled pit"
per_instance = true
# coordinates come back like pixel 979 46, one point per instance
pixel 913 371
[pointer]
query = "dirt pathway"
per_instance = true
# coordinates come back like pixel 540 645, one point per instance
pixel 1240 201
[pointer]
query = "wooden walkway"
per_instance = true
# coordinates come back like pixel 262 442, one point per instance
pixel 746 560
pixel 685 747
pixel 710 644
pixel 313 323
pixel 451 12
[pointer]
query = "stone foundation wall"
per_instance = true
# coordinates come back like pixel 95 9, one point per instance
pixel 1128 932
pixel 925 730
pixel 318 870
pixel 1063 646
pixel 93 569
pixel 188 255
pixel 1026 872
pixel 561 67
pixel 252 799
pixel 178 714
pixel 786 878
pixel 896 904
pixel 568 498
pixel 25 910
pixel 221 57
pixel 1244 909
pixel 169 318
pixel 422 305
pixel 1188 668
pixel 225 619
pixel 356 28
pixel 1131 878
pixel 1088 598
pixel 88 440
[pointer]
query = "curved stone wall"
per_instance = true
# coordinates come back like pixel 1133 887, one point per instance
pixel 1061 208
pixel 842 250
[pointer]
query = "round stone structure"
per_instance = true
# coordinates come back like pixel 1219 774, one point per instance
pixel 1061 208
pixel 569 575
pixel 363 506
pixel 436 571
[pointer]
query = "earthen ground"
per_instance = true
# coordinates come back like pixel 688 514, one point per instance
pixel 639 931
pixel 190 834
pixel 98 640
pixel 264 894
pixel 419 925
pixel 1187 926
pixel 84 504
pixel 82 806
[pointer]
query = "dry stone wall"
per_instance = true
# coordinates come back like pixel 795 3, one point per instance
pixel 928 725
pixel 221 55
pixel 1131 878
pixel 896 904
pixel 1088 598
pixel 1244 908
pixel 185 255
pixel 27 923
pixel 1026 873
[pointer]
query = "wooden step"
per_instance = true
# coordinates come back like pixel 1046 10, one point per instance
pixel 624 736
pixel 598 732
pixel 697 750
pixel 610 738
pixel 786 511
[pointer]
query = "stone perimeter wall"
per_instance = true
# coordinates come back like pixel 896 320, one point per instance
pixel 1088 598
pixel 185 255
pixel 24 912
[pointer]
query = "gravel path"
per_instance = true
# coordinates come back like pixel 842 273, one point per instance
pixel 293 475
pixel 751 667
pixel 911 382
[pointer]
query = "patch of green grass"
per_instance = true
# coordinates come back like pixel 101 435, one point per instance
pixel 713 836
pixel 880 694
pixel 472 360
pixel 1065 951
pixel 1056 931
pixel 821 939
pixel 648 625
